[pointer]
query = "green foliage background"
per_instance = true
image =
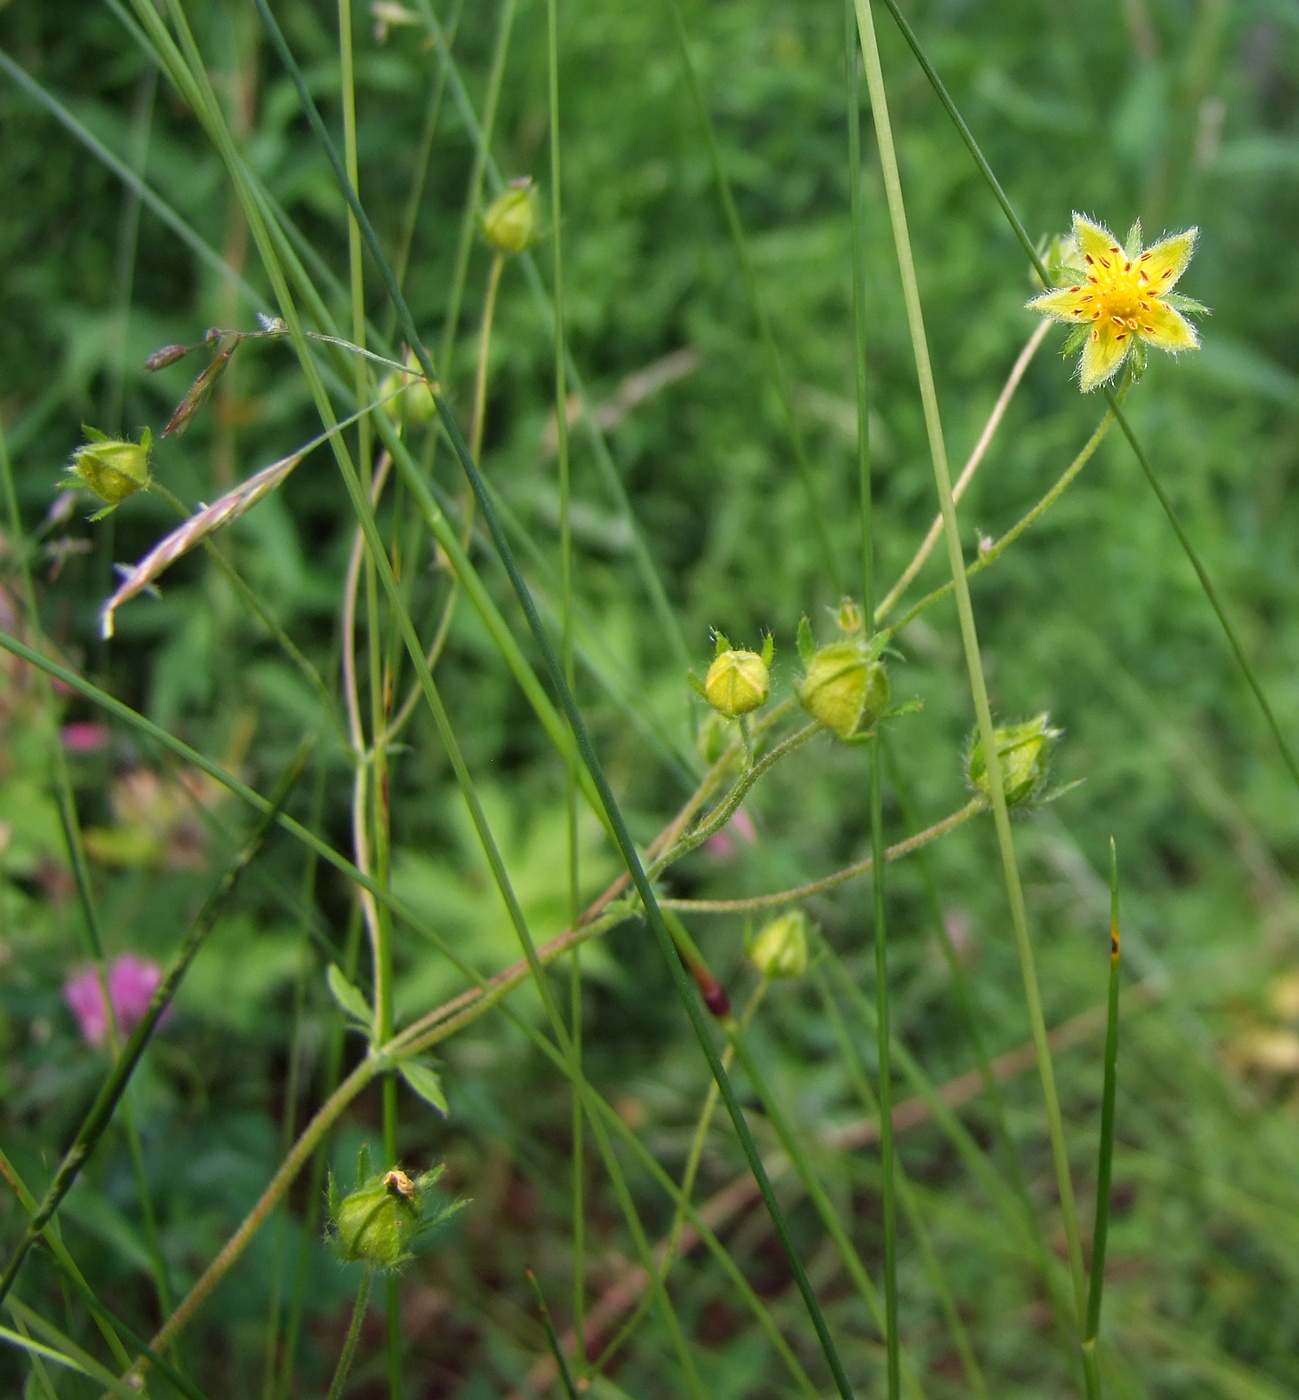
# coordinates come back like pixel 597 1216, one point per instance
pixel 1174 112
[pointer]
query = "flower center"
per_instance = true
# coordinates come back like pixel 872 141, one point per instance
pixel 1122 288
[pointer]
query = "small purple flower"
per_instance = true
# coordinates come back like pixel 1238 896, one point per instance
pixel 132 981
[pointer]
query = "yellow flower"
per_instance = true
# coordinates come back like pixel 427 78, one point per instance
pixel 1122 296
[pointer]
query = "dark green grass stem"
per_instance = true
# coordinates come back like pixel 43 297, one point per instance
pixel 851 1058
pixel 775 364
pixel 108 1325
pixel 1210 592
pixel 791 1140
pixel 552 1338
pixel 101 1111
pixel 106 1321
pixel 888 1164
pixel 622 834
pixel 1105 1156
pixel 567 657
pixel 970 645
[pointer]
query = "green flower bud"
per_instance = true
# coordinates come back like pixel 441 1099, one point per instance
pixel 780 947
pixel 379 1221
pixel 113 468
pixel 376 1222
pixel 843 689
pixel 414 403
pixel 510 223
pixel 737 682
pixel 1024 751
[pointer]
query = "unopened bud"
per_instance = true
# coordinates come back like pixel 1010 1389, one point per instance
pixel 1024 752
pixel 780 948
pixel 510 221
pixel 844 689
pixel 113 468
pixel 380 1221
pixel 737 682
pixel 408 398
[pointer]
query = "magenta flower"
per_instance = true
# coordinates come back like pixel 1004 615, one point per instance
pixel 132 982
pixel 85 736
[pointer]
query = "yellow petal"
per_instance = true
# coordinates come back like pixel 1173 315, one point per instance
pixel 1105 350
pixel 1067 304
pixel 1162 265
pixel 1166 328
pixel 1095 242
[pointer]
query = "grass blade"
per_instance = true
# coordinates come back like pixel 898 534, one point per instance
pixel 608 802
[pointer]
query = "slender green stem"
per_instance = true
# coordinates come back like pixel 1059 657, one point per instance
pixel 353 1336
pixel 969 637
pixel 651 580
pixel 839 877
pixel 1105 1155
pixel 884 1036
pixel 851 1059
pixel 552 1337
pixel 730 804
pixel 793 1143
pixel 578 1164
pixel 693 1158
pixel 905 578
pixel 109 1326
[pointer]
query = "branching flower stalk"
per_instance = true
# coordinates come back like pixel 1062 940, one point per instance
pixel 1017 372
pixel 994 551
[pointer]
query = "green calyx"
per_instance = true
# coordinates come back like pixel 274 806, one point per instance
pixel 510 221
pixel 111 468
pixel 1024 753
pixel 779 949
pixel 738 681
pixel 380 1220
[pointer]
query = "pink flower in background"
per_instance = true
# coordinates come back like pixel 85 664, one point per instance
pixel 85 736
pixel 132 981
pixel 722 846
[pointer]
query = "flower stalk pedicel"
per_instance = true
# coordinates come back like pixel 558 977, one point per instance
pixel 1120 299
